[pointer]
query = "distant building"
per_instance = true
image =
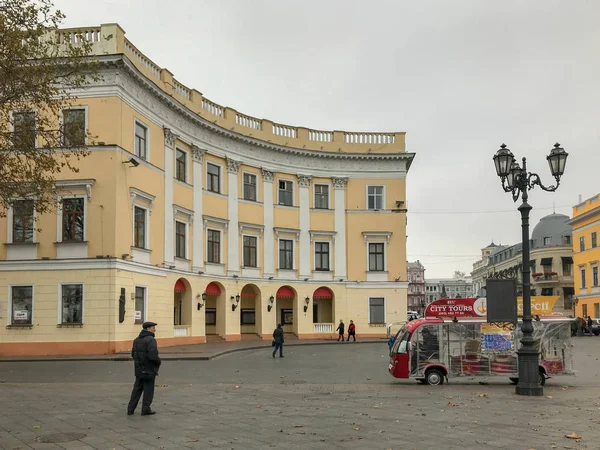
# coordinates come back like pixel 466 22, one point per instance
pixel 448 288
pixel 416 286
pixel 551 262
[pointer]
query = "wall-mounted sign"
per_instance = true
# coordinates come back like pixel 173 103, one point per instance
pixel 138 315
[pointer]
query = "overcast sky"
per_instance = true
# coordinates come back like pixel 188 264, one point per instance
pixel 459 77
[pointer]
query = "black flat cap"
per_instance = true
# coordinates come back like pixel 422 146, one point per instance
pixel 148 325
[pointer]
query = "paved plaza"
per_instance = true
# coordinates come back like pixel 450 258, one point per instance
pixel 326 396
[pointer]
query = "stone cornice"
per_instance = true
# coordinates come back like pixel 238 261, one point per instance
pixel 122 62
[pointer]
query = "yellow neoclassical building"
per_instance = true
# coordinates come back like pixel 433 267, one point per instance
pixel 214 224
pixel 586 256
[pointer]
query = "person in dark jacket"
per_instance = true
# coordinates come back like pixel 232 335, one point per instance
pixel 590 322
pixel 278 341
pixel 146 362
pixel 340 329
pixel 352 331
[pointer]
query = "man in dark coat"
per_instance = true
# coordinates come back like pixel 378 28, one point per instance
pixel 278 341
pixel 146 362
pixel 340 329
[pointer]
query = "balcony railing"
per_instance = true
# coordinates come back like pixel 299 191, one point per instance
pixel 323 327
pixel 546 278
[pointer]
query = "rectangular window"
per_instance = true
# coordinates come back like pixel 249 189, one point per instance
pixel 22 305
pixel 73 132
pixel 181 165
pixel 72 219
pixel 286 254
pixel 322 256
pixel 583 278
pixel 140 304
pixel 22 221
pixel 180 229
pixel 248 316
pixel 139 223
pixel 72 303
pixel 547 240
pixel 287 316
pixel 546 291
pixel 375 197
pixel 250 251
pixel 594 239
pixel 249 187
pixel 582 243
pixel 376 310
pixel 376 257
pixel 141 141
pixel 321 196
pixel 597 310
pixel 566 268
pixel 286 193
pixel 567 240
pixel 595 276
pixel 24 137
pixel 213 178
pixel 213 247
pixel 211 316
pixel 585 311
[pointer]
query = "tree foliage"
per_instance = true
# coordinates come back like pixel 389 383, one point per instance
pixel 39 68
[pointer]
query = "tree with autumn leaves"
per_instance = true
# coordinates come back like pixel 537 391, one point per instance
pixel 39 71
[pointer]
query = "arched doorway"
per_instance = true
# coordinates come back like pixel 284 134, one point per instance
pixel 250 311
pixel 215 311
pixel 286 308
pixel 323 310
pixel 182 308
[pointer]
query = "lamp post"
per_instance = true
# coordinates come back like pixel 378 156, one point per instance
pixel 518 182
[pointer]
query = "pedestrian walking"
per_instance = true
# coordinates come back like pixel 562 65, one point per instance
pixel 146 362
pixel 340 329
pixel 278 341
pixel 579 322
pixel 352 331
pixel 590 322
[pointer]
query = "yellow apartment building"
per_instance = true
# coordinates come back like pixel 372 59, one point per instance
pixel 212 223
pixel 586 256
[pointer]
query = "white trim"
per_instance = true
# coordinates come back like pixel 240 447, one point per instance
pixel 145 315
pixel 61 118
pixel 384 308
pixel 378 285
pixel 329 189
pixel 221 239
pixel 585 227
pixel 376 235
pixel 147 127
pixel 187 165
pixel 83 184
pixel 134 193
pixel 187 234
pixel 187 213
pixel 314 249
pixel 59 312
pixel 147 227
pixel 59 215
pixel 293 253
pixel 251 226
pixel 279 178
pixel 315 233
pixel 383 203
pixel 287 231
pixel 9 306
pixel 221 177
pixel 255 175
pixel 215 221
pixel 257 236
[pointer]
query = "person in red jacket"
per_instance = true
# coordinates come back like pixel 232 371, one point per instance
pixel 352 331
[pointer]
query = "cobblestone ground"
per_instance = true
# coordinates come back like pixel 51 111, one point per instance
pixel 337 396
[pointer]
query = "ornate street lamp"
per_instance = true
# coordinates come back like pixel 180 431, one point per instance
pixel 518 181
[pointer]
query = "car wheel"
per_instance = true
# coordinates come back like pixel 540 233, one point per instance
pixel 542 378
pixel 434 377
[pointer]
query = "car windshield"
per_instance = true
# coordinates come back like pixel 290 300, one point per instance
pixel 401 340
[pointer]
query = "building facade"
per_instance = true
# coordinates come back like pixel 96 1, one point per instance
pixel 438 288
pixel 416 286
pixel 551 261
pixel 479 273
pixel 214 224
pixel 586 256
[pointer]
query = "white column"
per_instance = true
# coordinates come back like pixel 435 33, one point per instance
pixel 304 253
pixel 233 241
pixel 169 256
pixel 339 186
pixel 198 232
pixel 269 239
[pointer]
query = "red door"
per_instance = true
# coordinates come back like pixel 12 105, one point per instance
pixel 400 358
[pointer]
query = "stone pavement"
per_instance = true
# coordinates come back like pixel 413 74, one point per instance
pixel 318 397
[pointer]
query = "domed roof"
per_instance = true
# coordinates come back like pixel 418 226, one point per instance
pixel 554 227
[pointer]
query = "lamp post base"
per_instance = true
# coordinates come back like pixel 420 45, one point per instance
pixel 529 373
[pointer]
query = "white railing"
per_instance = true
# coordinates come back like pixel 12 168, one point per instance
pixel 321 136
pixel 180 330
pixel 78 36
pixel 282 130
pixel 369 138
pixel 323 327
pixel 213 108
pixel 247 121
pixel 154 69
pixel 181 89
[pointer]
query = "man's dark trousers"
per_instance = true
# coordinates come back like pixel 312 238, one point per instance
pixel 145 386
pixel 278 347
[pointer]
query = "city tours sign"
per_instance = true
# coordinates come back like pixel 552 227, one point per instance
pixel 477 307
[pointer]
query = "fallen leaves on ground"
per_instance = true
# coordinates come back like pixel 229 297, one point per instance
pixel 193 440
pixel 483 395
pixel 548 396
pixel 573 436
